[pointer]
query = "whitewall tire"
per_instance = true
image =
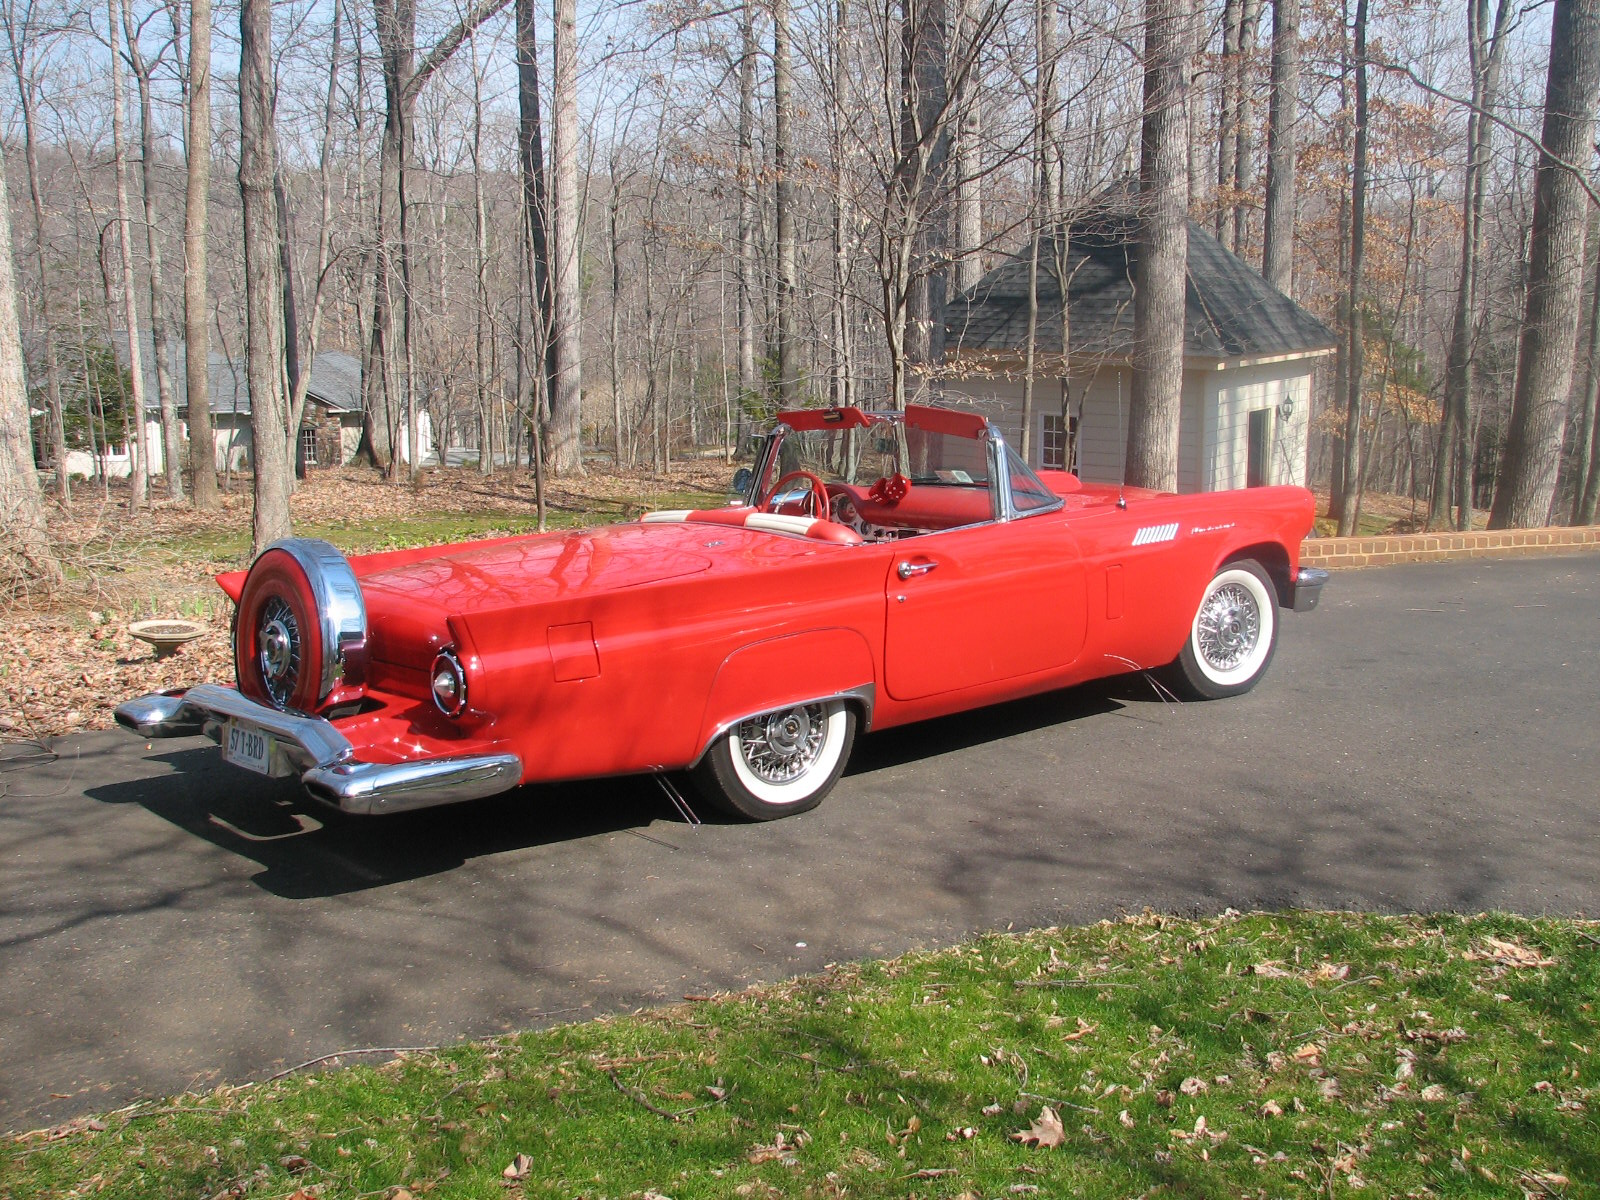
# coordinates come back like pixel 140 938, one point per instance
pixel 778 763
pixel 1233 634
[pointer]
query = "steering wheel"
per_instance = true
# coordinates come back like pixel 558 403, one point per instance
pixel 818 495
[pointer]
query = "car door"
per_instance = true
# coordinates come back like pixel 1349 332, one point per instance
pixel 983 604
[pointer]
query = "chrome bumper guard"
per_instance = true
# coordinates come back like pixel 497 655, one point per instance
pixel 1308 588
pixel 320 755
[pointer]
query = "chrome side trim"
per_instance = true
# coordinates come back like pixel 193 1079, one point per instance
pixel 866 695
pixel 341 609
pixel 374 789
pixel 1308 588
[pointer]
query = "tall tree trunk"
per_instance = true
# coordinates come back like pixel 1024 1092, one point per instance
pixel 925 94
pixel 480 263
pixel 784 202
pixel 534 240
pixel 565 441
pixel 17 36
pixel 293 368
pixel 139 482
pixel 1277 238
pixel 968 167
pixel 1532 452
pixel 1161 282
pixel 1244 134
pixel 1587 491
pixel 843 372
pixel 1355 370
pixel 1042 207
pixel 22 528
pixel 171 448
pixel 196 305
pixel 749 383
pixel 263 289
pixel 1485 49
pixel 1227 117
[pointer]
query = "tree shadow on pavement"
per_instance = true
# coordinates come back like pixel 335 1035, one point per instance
pixel 307 850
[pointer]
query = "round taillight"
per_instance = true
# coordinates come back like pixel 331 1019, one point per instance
pixel 448 682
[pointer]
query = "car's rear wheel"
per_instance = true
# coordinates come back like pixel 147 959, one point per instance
pixel 1233 635
pixel 778 763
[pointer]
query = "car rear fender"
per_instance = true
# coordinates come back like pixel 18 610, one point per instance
pixel 798 668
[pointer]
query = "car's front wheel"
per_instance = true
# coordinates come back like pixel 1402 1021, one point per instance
pixel 778 763
pixel 1233 634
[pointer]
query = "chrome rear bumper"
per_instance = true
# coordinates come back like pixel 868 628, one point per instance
pixel 320 755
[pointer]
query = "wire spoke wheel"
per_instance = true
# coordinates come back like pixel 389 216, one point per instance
pixel 782 746
pixel 1233 635
pixel 280 648
pixel 779 762
pixel 1229 626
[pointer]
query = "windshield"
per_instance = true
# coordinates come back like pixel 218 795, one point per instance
pixel 862 455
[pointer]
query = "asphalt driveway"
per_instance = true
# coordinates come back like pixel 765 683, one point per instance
pixel 1426 740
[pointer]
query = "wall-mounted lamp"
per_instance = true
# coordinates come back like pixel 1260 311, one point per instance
pixel 1286 409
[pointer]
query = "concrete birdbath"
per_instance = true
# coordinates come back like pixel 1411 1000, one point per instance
pixel 166 635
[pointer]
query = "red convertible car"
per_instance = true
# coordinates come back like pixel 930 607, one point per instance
pixel 879 568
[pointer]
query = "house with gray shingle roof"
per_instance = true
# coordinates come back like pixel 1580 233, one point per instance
pixel 1249 356
pixel 330 430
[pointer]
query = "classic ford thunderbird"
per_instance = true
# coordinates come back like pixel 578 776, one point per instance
pixel 877 568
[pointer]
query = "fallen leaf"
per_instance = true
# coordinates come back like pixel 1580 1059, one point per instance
pixel 992 1110
pixel 1508 954
pixel 294 1163
pixel 1084 1030
pixel 1271 1109
pixel 518 1167
pixel 1434 1093
pixel 1310 1054
pixel 1125 1119
pixel 1193 1086
pixel 1271 970
pixel 1044 1133
pixel 964 1134
pixel 1331 1089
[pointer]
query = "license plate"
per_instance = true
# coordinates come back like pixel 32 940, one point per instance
pixel 248 747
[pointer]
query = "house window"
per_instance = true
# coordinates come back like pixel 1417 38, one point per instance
pixel 1058 443
pixel 308 446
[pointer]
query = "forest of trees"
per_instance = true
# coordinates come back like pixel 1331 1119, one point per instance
pixel 635 229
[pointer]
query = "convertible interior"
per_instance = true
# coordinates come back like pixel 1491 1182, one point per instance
pixel 848 476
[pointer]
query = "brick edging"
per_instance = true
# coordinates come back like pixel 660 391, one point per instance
pixel 1345 552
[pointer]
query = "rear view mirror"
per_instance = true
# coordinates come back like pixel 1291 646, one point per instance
pixel 741 481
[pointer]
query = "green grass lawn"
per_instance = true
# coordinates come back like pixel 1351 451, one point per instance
pixel 1301 1054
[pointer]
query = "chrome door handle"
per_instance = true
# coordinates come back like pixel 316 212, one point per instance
pixel 907 569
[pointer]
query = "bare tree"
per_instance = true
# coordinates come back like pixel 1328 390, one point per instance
pixel 565 431
pixel 748 278
pixel 1283 114
pixel 22 31
pixel 263 289
pixel 784 204
pixel 196 305
pixel 22 528
pixel 1486 50
pixel 1586 491
pixel 140 480
pixel 1349 501
pixel 1161 284
pixel 1532 452
pixel 143 71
